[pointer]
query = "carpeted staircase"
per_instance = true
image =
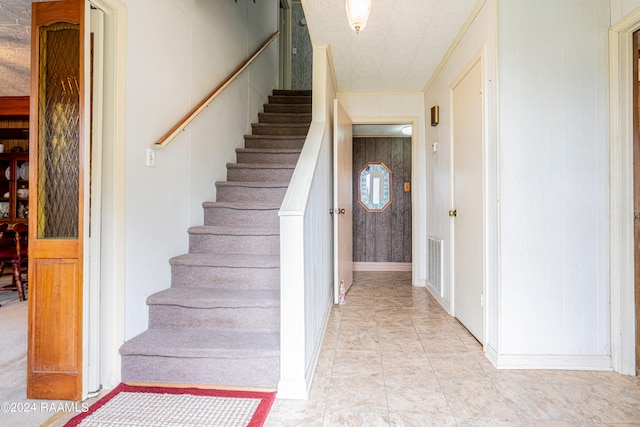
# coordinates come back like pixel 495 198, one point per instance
pixel 219 321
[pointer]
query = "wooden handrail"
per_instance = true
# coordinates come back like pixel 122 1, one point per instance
pixel 195 111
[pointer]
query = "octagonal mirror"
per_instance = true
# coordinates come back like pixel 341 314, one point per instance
pixel 374 191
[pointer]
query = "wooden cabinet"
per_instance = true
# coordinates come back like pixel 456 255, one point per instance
pixel 14 187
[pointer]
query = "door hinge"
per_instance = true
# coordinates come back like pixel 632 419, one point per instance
pixel 636 217
pixel 481 300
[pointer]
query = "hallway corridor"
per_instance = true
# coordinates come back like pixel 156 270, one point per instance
pixel 393 357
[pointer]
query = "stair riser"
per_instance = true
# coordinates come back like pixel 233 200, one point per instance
pixel 225 244
pixel 234 217
pixel 258 319
pixel 267 129
pixel 228 193
pixel 274 143
pixel 259 175
pixel 268 158
pixel 225 277
pixel 288 108
pixel 284 118
pixel 292 92
pixel 251 372
pixel 277 99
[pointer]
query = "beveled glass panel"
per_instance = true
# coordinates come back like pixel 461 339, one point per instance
pixel 374 189
pixel 59 132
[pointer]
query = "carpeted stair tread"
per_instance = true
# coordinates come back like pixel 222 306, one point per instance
pixel 269 150
pixel 289 99
pixel 234 230
pixel 242 205
pixel 216 298
pixel 203 343
pixel 290 117
pixel 280 128
pixel 288 108
pixel 276 137
pixel 227 260
pixel 255 184
pixel 259 166
pixel 294 92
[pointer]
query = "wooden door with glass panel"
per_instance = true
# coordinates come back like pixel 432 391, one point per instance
pixel 55 205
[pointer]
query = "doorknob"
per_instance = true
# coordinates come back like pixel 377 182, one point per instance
pixel 453 212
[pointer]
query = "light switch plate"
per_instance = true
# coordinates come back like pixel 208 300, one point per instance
pixel 151 157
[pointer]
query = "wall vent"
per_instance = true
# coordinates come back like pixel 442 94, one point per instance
pixel 435 264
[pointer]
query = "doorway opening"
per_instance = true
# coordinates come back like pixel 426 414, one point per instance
pixel 382 198
pixel 623 58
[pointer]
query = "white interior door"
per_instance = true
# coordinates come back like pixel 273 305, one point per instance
pixel 468 219
pixel 342 200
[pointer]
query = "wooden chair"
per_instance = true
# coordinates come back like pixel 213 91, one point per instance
pixel 14 250
pixel 22 255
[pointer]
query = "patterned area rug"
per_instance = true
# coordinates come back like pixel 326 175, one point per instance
pixel 176 407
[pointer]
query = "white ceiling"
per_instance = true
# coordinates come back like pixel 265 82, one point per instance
pixel 400 47
pixel 15 42
pixel 398 51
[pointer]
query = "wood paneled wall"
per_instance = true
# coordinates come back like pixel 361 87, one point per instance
pixel 383 236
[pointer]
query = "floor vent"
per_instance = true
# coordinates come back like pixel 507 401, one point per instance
pixel 434 264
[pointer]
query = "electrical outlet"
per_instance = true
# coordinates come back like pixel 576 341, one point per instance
pixel 151 157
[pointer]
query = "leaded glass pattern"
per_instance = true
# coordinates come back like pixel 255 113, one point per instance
pixel 59 132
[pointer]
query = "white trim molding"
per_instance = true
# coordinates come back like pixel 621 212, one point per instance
pixel 382 266
pixel 556 362
pixel 621 194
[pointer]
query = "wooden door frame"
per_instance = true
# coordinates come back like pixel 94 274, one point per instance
pixel 621 243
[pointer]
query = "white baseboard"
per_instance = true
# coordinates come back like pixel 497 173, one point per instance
pixel 575 363
pixel 445 304
pixel 491 354
pixel 381 266
pixel 292 390
pixel 419 283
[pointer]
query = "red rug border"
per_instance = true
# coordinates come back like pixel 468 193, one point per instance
pixel 258 419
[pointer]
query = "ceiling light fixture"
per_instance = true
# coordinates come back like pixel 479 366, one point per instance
pixel 358 13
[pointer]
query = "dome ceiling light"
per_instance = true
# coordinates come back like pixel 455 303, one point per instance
pixel 358 13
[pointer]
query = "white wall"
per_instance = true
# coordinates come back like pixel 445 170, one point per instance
pixel 177 52
pixel 477 38
pixel 554 181
pixel 395 108
pixel 546 160
pixel 622 8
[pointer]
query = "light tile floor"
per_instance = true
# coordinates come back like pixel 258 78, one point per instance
pixel 393 357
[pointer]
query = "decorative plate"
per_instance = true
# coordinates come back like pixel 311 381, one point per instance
pixel 24 171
